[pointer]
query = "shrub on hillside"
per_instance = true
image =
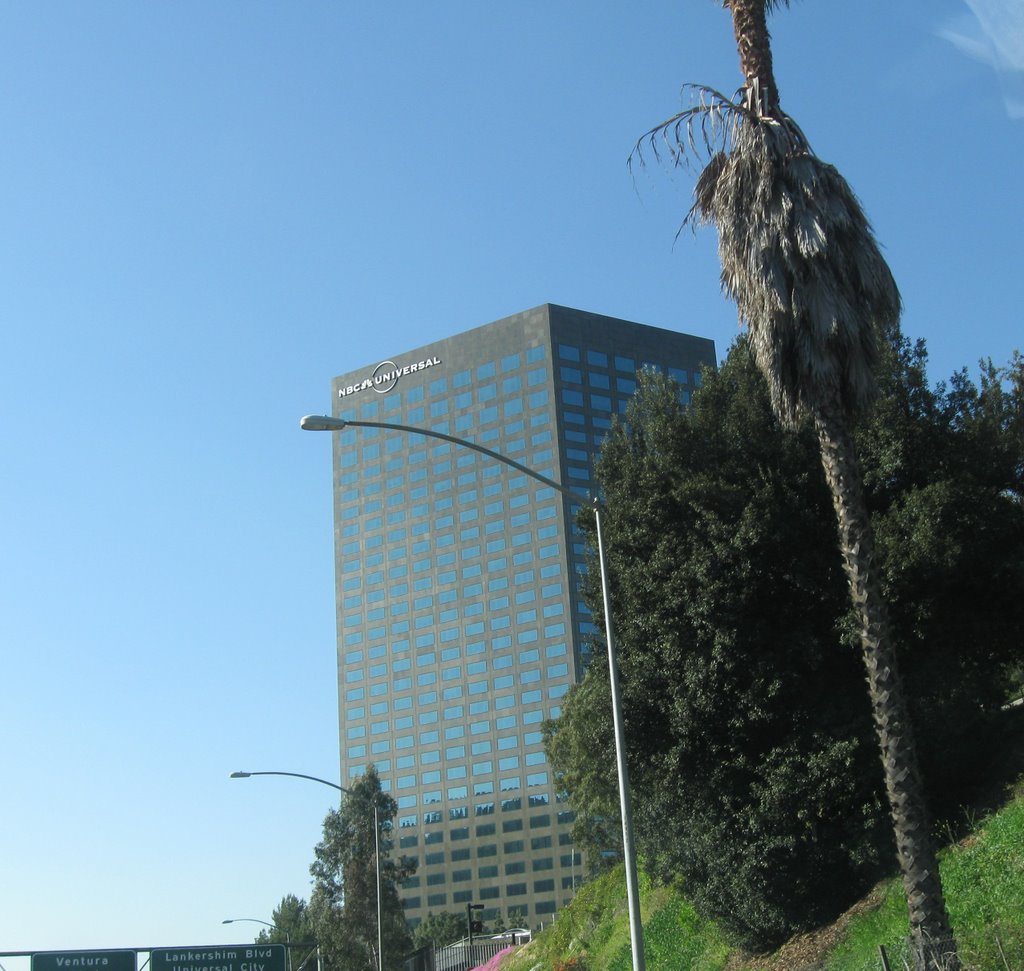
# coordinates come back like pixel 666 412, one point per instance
pixel 752 754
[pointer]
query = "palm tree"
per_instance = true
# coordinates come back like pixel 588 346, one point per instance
pixel 801 262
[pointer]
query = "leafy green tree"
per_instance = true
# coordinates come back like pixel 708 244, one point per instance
pixel 291 923
pixel 750 737
pixel 801 262
pixel 738 720
pixel 343 905
pixel 516 916
pixel 292 927
pixel 597 831
pixel 499 925
pixel 944 477
pixel 440 929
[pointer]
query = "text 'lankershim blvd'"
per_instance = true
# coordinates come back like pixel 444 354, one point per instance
pixel 385 376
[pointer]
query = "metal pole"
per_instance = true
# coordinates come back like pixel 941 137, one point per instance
pixel 376 853
pixel 376 841
pixel 636 930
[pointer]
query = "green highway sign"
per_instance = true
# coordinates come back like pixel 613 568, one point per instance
pixel 84 961
pixel 245 957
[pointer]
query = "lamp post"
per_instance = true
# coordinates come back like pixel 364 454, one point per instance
pixel 376 844
pixel 325 423
pixel 256 920
pixel 274 927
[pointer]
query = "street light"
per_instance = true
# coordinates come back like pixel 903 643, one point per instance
pixel 376 842
pixel 256 920
pixel 325 423
pixel 274 927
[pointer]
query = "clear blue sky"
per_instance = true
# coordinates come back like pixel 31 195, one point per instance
pixel 211 207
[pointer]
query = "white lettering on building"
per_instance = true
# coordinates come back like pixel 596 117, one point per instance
pixel 385 376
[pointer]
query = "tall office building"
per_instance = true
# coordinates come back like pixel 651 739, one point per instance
pixel 459 625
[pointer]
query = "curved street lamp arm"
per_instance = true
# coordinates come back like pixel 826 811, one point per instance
pixel 295 775
pixel 317 423
pixel 377 848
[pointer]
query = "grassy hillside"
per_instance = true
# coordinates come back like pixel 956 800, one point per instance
pixel 983 875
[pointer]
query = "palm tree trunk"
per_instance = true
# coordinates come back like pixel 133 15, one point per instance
pixel 931 934
pixel 750 25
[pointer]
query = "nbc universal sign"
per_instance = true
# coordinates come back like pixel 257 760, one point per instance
pixel 385 376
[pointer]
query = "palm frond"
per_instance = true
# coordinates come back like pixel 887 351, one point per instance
pixel 707 127
pixel 676 136
pixel 798 255
pixel 801 262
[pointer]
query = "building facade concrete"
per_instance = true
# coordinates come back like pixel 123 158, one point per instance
pixel 459 625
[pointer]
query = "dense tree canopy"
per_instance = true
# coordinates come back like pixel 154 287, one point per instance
pixel 810 283
pixel 754 767
pixel 291 926
pixel 343 906
pixel 290 920
pixel 440 929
